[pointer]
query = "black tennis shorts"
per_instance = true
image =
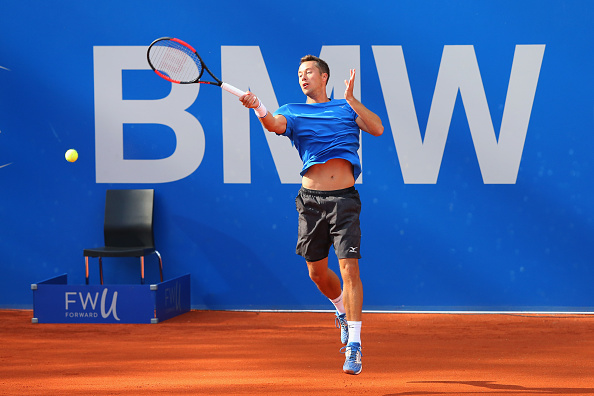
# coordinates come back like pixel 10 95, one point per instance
pixel 328 218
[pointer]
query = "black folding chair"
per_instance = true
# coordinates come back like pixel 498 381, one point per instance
pixel 127 230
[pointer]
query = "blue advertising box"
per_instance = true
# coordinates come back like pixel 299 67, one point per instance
pixel 54 301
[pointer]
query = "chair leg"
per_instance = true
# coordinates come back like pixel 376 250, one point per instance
pixel 160 265
pixel 142 270
pixel 87 269
pixel 101 269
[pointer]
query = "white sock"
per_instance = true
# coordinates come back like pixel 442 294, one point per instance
pixel 354 331
pixel 338 304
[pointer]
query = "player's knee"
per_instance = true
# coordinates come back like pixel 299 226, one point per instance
pixel 349 269
pixel 316 276
pixel 318 271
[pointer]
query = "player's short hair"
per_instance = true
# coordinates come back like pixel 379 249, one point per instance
pixel 321 64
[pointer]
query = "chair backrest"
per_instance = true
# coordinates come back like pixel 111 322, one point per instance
pixel 129 218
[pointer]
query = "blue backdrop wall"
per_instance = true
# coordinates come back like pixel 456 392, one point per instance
pixel 478 195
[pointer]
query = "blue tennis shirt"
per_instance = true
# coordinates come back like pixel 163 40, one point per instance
pixel 323 131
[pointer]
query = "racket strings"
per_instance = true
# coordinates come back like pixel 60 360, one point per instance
pixel 176 61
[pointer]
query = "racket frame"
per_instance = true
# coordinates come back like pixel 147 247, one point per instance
pixel 203 67
pixel 227 87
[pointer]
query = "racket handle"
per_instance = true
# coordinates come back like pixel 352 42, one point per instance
pixel 230 88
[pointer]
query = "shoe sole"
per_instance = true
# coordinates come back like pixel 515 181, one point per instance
pixel 352 372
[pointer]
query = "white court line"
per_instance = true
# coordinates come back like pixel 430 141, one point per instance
pixel 426 312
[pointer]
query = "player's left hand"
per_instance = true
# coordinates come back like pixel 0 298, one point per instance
pixel 350 84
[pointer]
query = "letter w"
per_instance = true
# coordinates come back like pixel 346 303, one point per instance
pixel 85 301
pixel 420 159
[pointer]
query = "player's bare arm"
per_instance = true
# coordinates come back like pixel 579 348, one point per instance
pixel 368 121
pixel 276 124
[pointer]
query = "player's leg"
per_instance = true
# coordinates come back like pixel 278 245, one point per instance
pixel 346 238
pixel 353 288
pixel 325 279
pixel 353 301
pixel 329 284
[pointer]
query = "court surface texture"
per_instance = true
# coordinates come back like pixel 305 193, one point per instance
pixel 269 353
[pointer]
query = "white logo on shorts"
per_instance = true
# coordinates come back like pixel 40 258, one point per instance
pixel 352 250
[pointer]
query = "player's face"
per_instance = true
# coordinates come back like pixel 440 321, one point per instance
pixel 311 79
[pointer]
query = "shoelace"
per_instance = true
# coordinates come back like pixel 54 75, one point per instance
pixel 338 323
pixel 351 352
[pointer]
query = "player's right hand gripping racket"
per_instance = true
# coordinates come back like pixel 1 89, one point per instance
pixel 179 63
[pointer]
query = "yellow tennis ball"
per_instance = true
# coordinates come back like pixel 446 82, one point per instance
pixel 71 155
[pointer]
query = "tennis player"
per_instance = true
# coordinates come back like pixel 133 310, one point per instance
pixel 326 134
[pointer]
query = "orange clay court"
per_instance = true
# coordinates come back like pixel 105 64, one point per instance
pixel 250 353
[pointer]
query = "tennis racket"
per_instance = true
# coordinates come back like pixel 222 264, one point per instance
pixel 179 63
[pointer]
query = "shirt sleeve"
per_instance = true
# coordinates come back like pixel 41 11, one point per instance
pixel 353 113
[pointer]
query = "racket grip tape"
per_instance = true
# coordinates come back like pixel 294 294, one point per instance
pixel 230 88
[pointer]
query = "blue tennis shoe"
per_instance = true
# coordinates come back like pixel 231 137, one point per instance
pixel 352 363
pixel 341 323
